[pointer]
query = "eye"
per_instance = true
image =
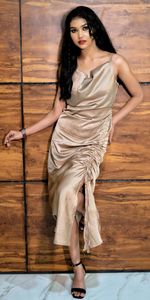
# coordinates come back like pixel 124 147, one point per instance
pixel 72 30
pixel 86 27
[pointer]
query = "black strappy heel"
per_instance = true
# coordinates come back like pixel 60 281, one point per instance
pixel 79 290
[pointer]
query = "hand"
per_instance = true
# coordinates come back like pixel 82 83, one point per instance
pixel 111 132
pixel 12 135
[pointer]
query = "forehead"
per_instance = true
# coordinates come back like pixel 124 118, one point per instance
pixel 77 22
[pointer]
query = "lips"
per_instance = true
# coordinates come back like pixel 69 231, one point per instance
pixel 81 42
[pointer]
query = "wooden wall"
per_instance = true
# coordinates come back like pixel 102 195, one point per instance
pixel 30 34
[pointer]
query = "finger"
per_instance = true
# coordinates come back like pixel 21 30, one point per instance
pixel 6 140
pixel 7 137
pixel 8 144
pixel 11 137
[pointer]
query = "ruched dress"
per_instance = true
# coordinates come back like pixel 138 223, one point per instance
pixel 78 144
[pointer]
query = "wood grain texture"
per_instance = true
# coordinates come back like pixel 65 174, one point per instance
pixel 43 255
pixel 127 26
pixel 124 209
pixel 127 156
pixel 9 41
pixel 125 215
pixel 38 101
pixel 12 242
pixel 11 164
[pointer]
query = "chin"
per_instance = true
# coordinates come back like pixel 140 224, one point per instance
pixel 82 47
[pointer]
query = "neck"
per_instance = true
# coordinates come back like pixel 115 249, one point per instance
pixel 91 52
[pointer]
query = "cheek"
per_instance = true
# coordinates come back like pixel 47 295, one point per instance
pixel 87 34
pixel 74 37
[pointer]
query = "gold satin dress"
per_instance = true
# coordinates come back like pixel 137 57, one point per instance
pixel 78 145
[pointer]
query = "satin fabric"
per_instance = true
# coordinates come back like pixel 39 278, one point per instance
pixel 78 145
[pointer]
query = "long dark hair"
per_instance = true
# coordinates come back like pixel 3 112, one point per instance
pixel 69 51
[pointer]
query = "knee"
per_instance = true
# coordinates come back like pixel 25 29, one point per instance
pixel 64 191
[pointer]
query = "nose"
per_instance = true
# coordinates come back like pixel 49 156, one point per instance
pixel 80 33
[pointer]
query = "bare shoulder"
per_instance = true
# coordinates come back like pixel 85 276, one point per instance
pixel 125 73
pixel 118 58
pixel 121 64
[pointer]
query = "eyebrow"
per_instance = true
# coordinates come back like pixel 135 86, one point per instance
pixel 76 27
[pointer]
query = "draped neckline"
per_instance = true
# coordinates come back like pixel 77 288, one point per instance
pixel 94 69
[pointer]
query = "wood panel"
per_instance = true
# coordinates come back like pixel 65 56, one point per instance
pixel 43 255
pixel 9 41
pixel 129 32
pixel 126 157
pixel 125 215
pixel 124 209
pixel 128 154
pixel 38 101
pixel 127 25
pixel 11 165
pixel 12 241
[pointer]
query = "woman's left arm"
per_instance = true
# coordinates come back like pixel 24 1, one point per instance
pixel 125 74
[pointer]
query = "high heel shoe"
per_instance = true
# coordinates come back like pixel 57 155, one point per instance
pixel 81 223
pixel 78 290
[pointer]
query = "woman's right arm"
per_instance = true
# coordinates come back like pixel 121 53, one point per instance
pixel 47 121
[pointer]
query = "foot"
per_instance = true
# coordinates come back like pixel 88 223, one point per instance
pixel 78 282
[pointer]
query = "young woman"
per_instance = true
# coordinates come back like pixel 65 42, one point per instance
pixel 89 73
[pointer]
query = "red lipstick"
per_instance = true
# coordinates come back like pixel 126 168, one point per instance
pixel 81 42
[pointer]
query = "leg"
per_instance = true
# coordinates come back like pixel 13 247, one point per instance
pixel 74 249
pixel 81 206
pixel 81 201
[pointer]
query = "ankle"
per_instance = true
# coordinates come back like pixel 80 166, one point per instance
pixel 79 267
pixel 79 272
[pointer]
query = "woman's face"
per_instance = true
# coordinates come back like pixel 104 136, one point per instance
pixel 79 33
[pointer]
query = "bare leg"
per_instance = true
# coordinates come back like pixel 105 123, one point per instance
pixel 81 202
pixel 74 249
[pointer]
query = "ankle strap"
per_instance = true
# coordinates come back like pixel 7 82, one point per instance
pixel 79 263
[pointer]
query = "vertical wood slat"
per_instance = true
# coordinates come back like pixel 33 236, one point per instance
pixel 40 229
pixel 12 240
pixel 124 209
pixel 38 101
pixel 11 164
pixel 127 156
pixel 9 41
